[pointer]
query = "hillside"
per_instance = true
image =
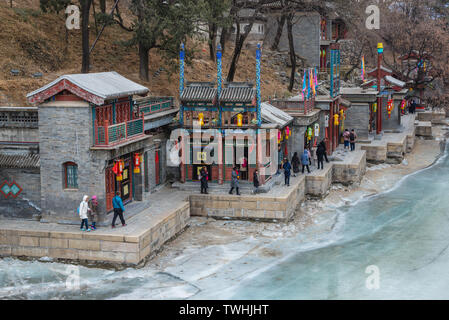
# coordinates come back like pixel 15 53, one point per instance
pixel 33 41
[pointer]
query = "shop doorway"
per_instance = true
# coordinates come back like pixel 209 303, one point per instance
pixel 125 186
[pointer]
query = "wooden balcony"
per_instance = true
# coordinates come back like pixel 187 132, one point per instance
pixel 119 134
pixel 152 105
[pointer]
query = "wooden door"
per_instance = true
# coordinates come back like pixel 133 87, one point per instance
pixel 110 188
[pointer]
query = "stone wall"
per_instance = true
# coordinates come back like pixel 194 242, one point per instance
pixel 95 247
pixel 19 134
pixel 349 173
pixel 28 202
pixel 65 134
pixel 249 207
pixel 19 124
pixel 394 121
pixel 318 183
pixel 424 129
pixel 375 153
pixel 357 117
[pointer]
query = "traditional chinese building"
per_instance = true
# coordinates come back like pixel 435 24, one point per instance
pixel 90 126
pixel 319 115
pixel 238 125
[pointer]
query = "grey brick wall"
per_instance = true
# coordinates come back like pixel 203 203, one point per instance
pixel 306 37
pixel 357 117
pixel 65 134
pixel 28 201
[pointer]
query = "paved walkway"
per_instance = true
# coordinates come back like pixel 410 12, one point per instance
pixel 157 208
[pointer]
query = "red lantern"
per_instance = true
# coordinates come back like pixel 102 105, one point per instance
pixel 118 169
pixel 389 107
pixel 136 163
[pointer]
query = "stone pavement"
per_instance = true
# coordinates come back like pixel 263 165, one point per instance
pixel 145 233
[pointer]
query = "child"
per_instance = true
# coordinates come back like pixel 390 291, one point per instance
pixel 93 206
pixel 83 209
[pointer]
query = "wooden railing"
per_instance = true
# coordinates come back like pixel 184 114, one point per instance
pixel 108 135
pixel 153 104
pixel 294 106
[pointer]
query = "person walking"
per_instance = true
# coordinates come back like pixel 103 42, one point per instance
pixel 117 203
pixel 204 178
pixel 287 171
pixel 323 145
pixel 320 152
pixel 83 210
pixel 256 181
pixel 352 139
pixel 412 107
pixel 235 176
pixel 295 164
pixel 305 161
pixel 346 135
pixel 93 206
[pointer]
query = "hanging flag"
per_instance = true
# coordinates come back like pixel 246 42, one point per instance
pixel 316 78
pixel 303 86
pixel 312 82
pixel 308 85
pixel 363 68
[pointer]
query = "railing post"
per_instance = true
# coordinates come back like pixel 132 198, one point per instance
pixel 96 132
pixel 106 131
pixel 126 129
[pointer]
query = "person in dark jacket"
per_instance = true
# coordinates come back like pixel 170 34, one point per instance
pixel 256 181
pixel 305 161
pixel 204 177
pixel 295 164
pixel 287 171
pixel 412 107
pixel 117 204
pixel 235 176
pixel 320 152
pixel 352 139
pixel 323 145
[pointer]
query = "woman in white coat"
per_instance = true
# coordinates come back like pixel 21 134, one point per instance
pixel 83 209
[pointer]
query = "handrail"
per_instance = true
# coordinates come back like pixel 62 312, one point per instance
pixel 112 134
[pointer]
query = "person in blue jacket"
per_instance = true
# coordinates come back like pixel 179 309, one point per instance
pixel 305 160
pixel 287 171
pixel 117 203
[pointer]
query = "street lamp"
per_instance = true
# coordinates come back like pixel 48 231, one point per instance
pixel 380 48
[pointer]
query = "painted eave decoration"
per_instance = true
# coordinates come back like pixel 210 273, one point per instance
pixel 92 87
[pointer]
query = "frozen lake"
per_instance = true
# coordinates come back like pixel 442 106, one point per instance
pixel 401 236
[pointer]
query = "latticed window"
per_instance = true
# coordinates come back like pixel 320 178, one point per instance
pixel 71 175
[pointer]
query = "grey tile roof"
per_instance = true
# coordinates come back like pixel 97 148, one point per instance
pixel 19 161
pixel 195 92
pixel 274 115
pixel 238 92
pixel 106 85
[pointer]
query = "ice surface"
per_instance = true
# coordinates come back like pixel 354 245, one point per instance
pixel 403 232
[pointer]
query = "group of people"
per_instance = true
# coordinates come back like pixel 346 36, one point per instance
pixel 235 177
pixel 88 210
pixel 305 161
pixel 349 139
